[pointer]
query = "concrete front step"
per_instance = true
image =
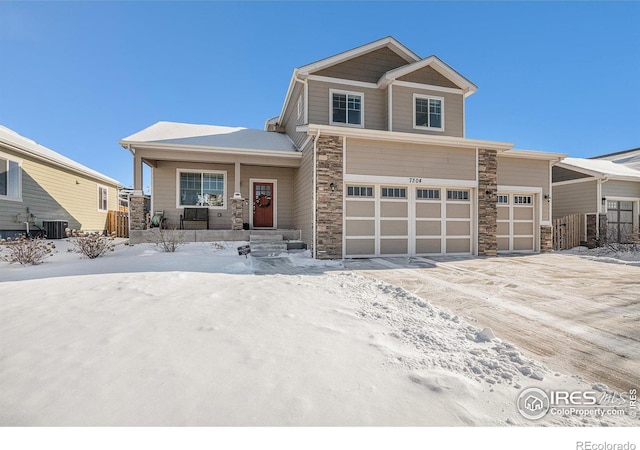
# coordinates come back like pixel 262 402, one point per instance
pixel 265 237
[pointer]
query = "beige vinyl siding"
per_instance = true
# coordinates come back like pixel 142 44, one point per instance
pixel 369 67
pixel 303 196
pixel 375 104
pixel 403 108
pixel 54 193
pixel 562 174
pixel 575 198
pixel 615 188
pixel 290 118
pixel 164 191
pixel 428 75
pixel 409 160
pixel 526 172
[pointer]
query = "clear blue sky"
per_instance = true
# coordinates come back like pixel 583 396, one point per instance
pixel 79 76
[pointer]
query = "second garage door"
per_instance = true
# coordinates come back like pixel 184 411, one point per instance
pixel 516 223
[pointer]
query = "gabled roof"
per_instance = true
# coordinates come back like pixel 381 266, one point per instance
pixel 414 62
pixel 210 137
pixel 25 145
pixel 436 63
pixel 389 42
pixel 600 168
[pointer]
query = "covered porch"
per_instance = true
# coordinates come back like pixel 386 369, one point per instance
pixel 215 183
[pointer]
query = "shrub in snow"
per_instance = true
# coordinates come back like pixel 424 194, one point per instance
pixel 169 239
pixel 24 250
pixel 92 245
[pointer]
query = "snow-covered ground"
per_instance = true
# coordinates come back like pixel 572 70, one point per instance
pixel 206 337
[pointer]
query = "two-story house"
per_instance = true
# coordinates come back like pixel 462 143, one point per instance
pixel 368 157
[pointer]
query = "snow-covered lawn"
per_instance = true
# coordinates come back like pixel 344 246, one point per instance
pixel 206 337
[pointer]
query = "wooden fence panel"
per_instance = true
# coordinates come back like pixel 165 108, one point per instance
pixel 567 232
pixel 118 222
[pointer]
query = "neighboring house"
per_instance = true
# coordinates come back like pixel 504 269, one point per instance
pixel 368 157
pixel 629 158
pixel 605 193
pixel 39 185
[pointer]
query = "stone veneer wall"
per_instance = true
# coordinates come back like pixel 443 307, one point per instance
pixel 487 203
pixel 329 203
pixel 237 209
pixel 546 239
pixel 137 213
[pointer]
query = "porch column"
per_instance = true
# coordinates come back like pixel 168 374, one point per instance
pixel 329 197
pixel 237 212
pixel 236 179
pixel 137 174
pixel 487 202
pixel 137 213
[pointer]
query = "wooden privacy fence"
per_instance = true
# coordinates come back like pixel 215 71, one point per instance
pixel 567 232
pixel 118 222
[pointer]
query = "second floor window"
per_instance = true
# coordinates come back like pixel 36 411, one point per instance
pixel 428 112
pixel 346 108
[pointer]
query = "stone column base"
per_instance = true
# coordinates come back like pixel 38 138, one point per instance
pixel 546 239
pixel 237 213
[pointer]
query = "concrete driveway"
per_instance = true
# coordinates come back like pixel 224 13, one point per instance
pixel 577 316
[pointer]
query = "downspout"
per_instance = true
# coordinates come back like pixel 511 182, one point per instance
pixel 315 177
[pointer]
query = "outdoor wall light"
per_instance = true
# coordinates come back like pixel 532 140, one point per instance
pixel 333 187
pixel 604 201
pixel 547 197
pixel 489 192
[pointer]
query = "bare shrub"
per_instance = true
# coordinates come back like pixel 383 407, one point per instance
pixel 24 250
pixel 169 239
pixel 92 245
pixel 630 241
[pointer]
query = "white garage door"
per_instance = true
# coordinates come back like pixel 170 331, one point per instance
pixel 386 220
pixel 516 223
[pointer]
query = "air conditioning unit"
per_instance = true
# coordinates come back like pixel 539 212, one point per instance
pixel 55 229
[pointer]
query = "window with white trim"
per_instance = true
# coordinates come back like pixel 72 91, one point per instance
pixel 103 198
pixel 202 188
pixel 359 191
pixel 346 108
pixel 10 179
pixel 503 199
pixel 300 107
pixel 522 200
pixel 428 112
pixel 428 194
pixel 393 192
pixel 457 195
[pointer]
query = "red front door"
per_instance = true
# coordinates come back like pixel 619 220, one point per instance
pixel 263 202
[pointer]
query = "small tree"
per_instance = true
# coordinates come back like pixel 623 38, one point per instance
pixel 24 250
pixel 92 245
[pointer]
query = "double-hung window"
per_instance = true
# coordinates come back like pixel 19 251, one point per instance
pixel 202 188
pixel 346 108
pixel 10 179
pixel 103 198
pixel 428 112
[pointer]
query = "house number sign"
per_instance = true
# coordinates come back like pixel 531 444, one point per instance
pixel 415 180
